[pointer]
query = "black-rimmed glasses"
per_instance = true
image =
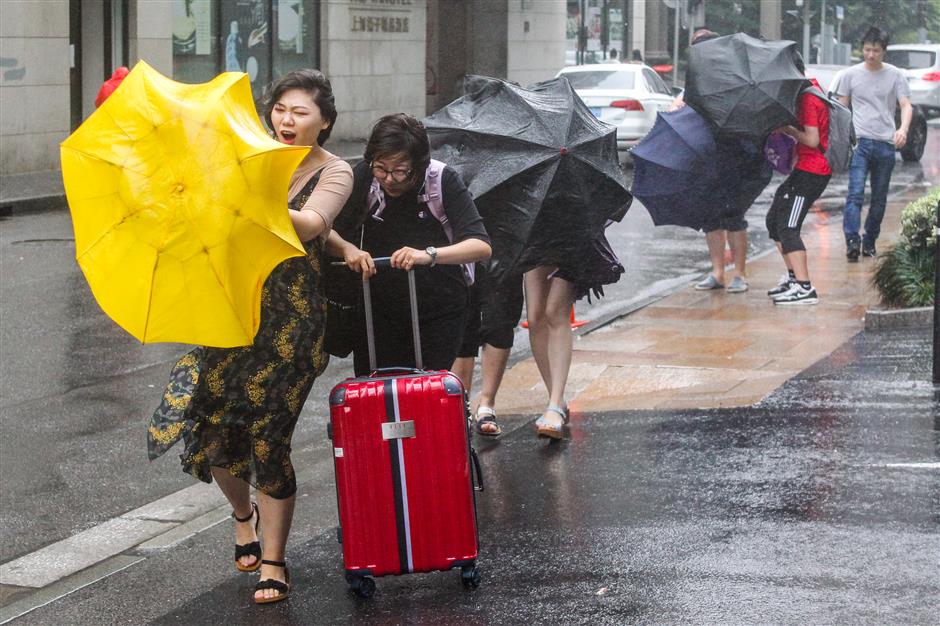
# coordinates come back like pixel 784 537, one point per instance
pixel 399 176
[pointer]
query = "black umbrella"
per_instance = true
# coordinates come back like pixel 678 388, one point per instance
pixel 542 169
pixel 744 86
pixel 675 170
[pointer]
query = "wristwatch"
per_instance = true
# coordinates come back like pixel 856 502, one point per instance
pixel 432 252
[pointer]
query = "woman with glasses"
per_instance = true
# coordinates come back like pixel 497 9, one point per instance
pixel 387 215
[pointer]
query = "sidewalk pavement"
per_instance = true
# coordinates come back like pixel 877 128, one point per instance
pixel 695 349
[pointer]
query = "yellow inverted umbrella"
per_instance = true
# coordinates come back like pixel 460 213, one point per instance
pixel 179 205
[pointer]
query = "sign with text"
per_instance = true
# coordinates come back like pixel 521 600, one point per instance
pixel 380 16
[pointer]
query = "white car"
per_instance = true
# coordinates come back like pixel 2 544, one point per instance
pixel 920 63
pixel 626 95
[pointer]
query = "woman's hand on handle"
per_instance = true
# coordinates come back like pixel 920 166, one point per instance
pixel 359 261
pixel 408 258
pixel 466 251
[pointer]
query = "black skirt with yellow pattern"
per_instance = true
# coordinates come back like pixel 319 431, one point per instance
pixel 236 408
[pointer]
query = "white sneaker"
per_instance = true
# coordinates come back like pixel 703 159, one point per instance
pixel 783 285
pixel 797 295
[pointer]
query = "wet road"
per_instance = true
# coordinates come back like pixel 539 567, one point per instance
pixel 817 506
pixel 77 391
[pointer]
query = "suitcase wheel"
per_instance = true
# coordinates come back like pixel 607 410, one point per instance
pixel 362 586
pixel 470 576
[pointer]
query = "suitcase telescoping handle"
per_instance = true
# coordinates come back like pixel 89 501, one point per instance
pixel 385 262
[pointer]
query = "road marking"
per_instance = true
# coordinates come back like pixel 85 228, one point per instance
pixel 155 527
pixel 912 465
pixel 73 554
pixel 181 533
pixel 50 594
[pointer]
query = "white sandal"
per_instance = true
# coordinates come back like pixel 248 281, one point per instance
pixel 546 427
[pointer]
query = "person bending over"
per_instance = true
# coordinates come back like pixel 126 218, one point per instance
pixel 797 193
pixel 387 215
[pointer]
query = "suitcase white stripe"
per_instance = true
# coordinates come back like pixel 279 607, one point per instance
pixel 401 477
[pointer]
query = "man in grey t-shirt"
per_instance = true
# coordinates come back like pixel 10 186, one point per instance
pixel 873 88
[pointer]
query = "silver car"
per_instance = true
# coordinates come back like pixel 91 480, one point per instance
pixel 920 63
pixel 625 95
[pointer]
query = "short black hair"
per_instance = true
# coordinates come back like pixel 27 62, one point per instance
pixel 314 83
pixel 875 35
pixel 400 133
pixel 798 62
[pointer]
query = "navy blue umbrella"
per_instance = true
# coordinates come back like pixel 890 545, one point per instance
pixel 675 170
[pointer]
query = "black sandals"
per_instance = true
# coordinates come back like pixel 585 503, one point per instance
pixel 283 589
pixel 248 549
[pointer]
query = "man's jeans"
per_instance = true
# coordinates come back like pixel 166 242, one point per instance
pixel 876 157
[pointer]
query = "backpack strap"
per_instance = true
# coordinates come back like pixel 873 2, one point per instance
pixel 431 195
pixel 433 198
pixel 816 91
pixel 376 200
pixel 813 90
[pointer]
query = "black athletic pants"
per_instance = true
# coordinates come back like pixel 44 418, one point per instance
pixel 791 203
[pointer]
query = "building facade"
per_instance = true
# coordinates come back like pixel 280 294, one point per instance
pixel 381 55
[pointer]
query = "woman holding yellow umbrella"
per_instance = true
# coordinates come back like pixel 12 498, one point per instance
pixel 236 407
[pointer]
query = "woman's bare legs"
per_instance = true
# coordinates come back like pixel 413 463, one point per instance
pixel 548 303
pixel 237 492
pixel 493 366
pixel 463 367
pixel 716 241
pixel 737 241
pixel 276 517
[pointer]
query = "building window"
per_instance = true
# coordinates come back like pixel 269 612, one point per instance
pixel 600 24
pixel 195 40
pixel 263 38
pixel 296 29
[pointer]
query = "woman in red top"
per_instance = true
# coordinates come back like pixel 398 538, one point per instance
pixel 796 195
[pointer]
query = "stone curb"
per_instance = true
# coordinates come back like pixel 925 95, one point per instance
pixel 893 319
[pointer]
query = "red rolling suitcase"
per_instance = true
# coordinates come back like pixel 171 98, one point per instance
pixel 404 479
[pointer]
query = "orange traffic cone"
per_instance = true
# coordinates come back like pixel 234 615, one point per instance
pixel 575 323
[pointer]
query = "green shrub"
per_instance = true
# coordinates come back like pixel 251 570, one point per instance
pixel 904 276
pixel 918 220
pixel 904 273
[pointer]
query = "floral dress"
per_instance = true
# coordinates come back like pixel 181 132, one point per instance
pixel 236 408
